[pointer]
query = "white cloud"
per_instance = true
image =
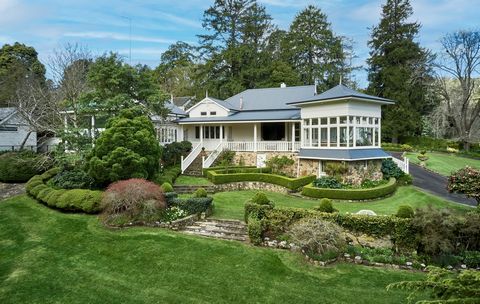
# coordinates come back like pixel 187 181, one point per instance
pixel 181 20
pixel 143 51
pixel 117 36
pixel 299 3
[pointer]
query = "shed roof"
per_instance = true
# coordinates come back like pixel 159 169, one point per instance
pixel 343 154
pixel 338 92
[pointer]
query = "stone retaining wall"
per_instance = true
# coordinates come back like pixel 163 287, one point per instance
pixel 251 186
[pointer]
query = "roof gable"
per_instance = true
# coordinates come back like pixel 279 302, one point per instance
pixel 6 114
pixel 341 92
pixel 218 102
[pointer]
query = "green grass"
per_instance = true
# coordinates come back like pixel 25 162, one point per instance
pixel 51 257
pixel 184 180
pixel 444 163
pixel 230 204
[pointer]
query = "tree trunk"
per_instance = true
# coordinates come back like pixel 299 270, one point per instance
pixel 25 140
pixel 466 146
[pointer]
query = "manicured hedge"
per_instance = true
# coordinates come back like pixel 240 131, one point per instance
pixel 193 205
pixel 231 169
pixel 287 182
pixel 277 221
pixel 351 194
pixel 169 175
pixel 69 200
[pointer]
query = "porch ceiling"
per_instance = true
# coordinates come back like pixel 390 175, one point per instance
pixel 248 116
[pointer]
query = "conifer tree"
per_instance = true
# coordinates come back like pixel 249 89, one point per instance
pixel 399 69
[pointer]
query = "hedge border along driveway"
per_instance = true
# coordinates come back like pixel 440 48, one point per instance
pixel 78 200
pixel 351 194
pixel 287 182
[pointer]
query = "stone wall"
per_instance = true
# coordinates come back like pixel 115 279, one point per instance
pixel 308 167
pixel 250 159
pixel 251 186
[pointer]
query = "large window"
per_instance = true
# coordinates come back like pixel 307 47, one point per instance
pixel 341 131
pixel 209 132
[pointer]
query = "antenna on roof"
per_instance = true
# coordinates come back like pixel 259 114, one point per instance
pixel 206 93
pixel 315 86
pixel 341 79
pixel 241 102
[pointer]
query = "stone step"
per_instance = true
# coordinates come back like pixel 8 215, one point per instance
pixel 223 226
pixel 217 229
pixel 218 236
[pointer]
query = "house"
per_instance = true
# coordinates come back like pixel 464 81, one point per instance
pixel 15 131
pixel 339 125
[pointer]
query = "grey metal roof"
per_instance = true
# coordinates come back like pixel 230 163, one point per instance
pixel 290 114
pixel 340 91
pixel 344 154
pixel 182 100
pixel 270 98
pixel 6 112
pixel 174 109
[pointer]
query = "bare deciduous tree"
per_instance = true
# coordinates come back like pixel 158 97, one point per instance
pixel 458 66
pixel 69 67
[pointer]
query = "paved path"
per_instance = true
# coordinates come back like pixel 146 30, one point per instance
pixel 434 183
pixel 8 190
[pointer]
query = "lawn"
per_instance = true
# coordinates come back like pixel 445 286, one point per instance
pixel 444 163
pixel 185 180
pixel 52 257
pixel 230 204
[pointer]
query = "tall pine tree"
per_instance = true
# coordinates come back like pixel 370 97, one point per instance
pixel 399 69
pixel 314 50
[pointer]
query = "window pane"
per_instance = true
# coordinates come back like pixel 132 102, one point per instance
pixel 217 132
pixel 351 119
pixel 306 122
pixel 306 137
pixel 370 120
pixel 377 140
pixel 324 137
pixel 324 121
pixel 203 113
pixel 376 121
pixel 333 120
pixel 343 136
pixel 314 121
pixel 207 132
pixel 315 137
pixel 212 132
pixel 343 119
pixel 364 120
pixel 364 136
pixel 333 137
pixel 350 136
pixel 197 132
pixel 213 113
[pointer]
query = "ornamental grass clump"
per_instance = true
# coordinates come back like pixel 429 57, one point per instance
pixel 318 238
pixel 133 201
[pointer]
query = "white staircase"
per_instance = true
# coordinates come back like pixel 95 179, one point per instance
pixel 207 162
pixel 187 161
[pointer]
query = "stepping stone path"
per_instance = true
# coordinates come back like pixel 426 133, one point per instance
pixel 220 229
pixel 180 189
pixel 8 190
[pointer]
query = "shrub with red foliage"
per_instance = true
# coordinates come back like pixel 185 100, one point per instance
pixel 133 200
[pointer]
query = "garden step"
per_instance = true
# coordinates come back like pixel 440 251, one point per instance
pixel 222 229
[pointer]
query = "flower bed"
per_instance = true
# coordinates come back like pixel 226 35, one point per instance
pixel 218 177
pixel 82 200
pixel 351 194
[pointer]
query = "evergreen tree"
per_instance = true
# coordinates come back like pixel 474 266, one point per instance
pixel 314 50
pixel 399 69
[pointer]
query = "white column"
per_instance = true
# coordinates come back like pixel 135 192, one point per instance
pixel 379 132
pixel 92 120
pixel 302 136
pixel 354 134
pixel 221 133
pixel 254 137
pixel 201 134
pixel 293 137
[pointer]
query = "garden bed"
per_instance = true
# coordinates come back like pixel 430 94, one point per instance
pixel 351 194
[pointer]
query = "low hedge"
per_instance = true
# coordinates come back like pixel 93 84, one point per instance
pixel 277 221
pixel 230 169
pixel 193 205
pixel 82 200
pixel 351 194
pixel 287 182
pixel 169 175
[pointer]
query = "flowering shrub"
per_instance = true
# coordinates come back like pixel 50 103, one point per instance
pixel 467 181
pixel 132 200
pixel 174 213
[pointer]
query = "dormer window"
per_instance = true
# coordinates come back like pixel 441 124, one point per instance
pixel 213 113
pixel 203 113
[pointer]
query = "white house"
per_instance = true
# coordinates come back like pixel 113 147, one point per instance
pixel 14 130
pixel 340 124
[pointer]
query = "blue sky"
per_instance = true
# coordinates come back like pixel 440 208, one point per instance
pixel 103 25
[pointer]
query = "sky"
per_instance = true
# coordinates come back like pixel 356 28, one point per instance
pixel 104 25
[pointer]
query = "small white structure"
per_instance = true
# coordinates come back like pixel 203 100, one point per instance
pixel 14 130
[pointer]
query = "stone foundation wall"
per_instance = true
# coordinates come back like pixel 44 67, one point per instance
pixel 251 186
pixel 250 159
pixel 308 167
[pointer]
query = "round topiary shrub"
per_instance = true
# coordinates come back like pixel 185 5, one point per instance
pixel 200 192
pixel 127 149
pixel 318 237
pixel 19 167
pixel 326 206
pixel 167 187
pixel 405 211
pixel 133 200
pixel 260 198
